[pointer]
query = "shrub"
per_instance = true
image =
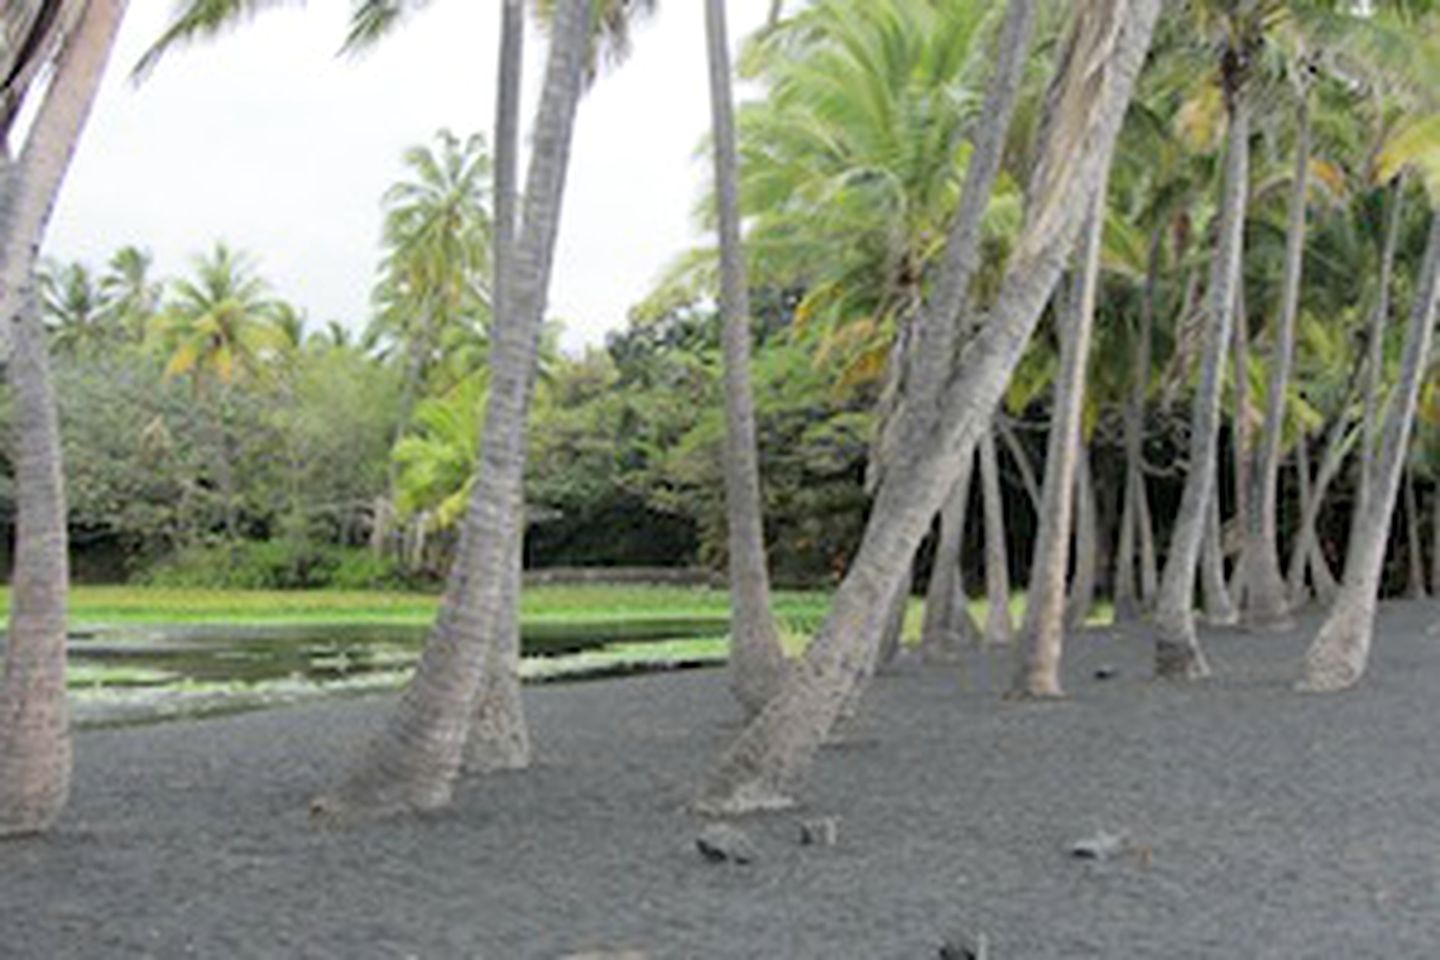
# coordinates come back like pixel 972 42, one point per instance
pixel 282 564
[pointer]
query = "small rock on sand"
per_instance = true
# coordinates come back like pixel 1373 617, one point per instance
pixel 720 842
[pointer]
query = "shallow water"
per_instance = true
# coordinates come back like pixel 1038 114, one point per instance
pixel 138 674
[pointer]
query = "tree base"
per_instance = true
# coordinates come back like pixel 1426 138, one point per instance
pixel 1328 673
pixel 1035 694
pixel 744 798
pixel 1180 661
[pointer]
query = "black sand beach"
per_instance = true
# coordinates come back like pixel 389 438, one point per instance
pixel 1260 823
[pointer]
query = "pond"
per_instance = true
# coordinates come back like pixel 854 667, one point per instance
pixel 144 674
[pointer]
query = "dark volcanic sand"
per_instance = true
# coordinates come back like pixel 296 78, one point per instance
pixel 1277 825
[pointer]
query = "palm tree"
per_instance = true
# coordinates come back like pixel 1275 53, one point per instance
pixel 1266 597
pixel 1177 650
pixel 499 737
pixel 1043 632
pixel 1340 651
pixel 218 329
pixel 948 622
pixel 74 307
pixel 413 762
pixel 756 662
pixel 132 298
pixel 435 275
pixel 951 401
pixel 35 753
pixel 999 626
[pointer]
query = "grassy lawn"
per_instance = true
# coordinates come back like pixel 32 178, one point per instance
pixel 92 605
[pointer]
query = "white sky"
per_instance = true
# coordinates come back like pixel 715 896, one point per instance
pixel 267 140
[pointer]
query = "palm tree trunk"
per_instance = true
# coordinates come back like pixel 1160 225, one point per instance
pixel 1375 347
pixel 1128 595
pixel 1149 561
pixel 1341 650
pixel 35 749
pixel 1435 542
pixel 1214 588
pixel 948 623
pixel 1415 588
pixel 413 762
pixel 1177 648
pixel 1242 455
pixel 892 633
pixel 999 627
pixel 1306 552
pixel 1043 633
pixel 1081 598
pixel 1005 430
pixel 756 663
pixel 224 462
pixel 1267 602
pixel 1295 583
pixel 1095 79
pixel 499 737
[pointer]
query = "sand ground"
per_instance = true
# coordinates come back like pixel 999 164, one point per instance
pixel 1261 824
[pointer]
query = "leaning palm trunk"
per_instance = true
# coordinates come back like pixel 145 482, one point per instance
pixel 499 737
pixel 756 663
pixel 1043 633
pixel 999 626
pixel 948 623
pixel 413 762
pixel 1341 650
pixel 1266 602
pixel 1177 648
pixel 948 415
pixel 35 751
pixel 1375 347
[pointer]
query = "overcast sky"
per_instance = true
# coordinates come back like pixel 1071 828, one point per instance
pixel 267 140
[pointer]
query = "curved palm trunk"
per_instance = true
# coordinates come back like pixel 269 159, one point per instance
pixel 1005 430
pixel 413 762
pixel 1095 79
pixel 999 627
pixel 1177 648
pixel 35 750
pixel 1267 602
pixel 756 663
pixel 948 623
pixel 499 737
pixel 1341 650
pixel 1043 633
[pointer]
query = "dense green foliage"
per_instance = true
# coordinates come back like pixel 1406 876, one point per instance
pixel 213 439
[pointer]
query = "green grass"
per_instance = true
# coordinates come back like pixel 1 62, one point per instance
pixel 589 603
pixel 800 612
